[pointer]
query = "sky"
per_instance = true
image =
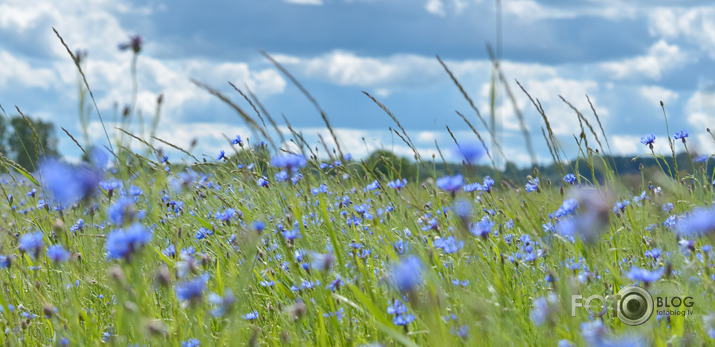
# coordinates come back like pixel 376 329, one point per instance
pixel 626 56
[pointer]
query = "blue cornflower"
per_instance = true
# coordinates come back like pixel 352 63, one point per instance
pixel 295 178
pixel 482 228
pixel 532 185
pixel 648 140
pixel 250 315
pixel 397 184
pixel 699 222
pixel 372 186
pixel 681 135
pixel 68 183
pixel 5 263
pixel 192 290
pixel 202 233
pixel 281 176
pixel 403 319
pixel 568 207
pixel 399 309
pixel 226 215
pixel 191 343
pixel 122 243
pixel 401 246
pixel 221 155
pixel 645 276
pixel 57 254
pixel 544 309
pixel 653 253
pixel 135 191
pixel 469 152
pixel 450 183
pixel 570 178
pixel 487 183
pixel 667 207
pixel 335 284
pixel 262 182
pixel 259 226
pixel 449 245
pixel 322 262
pixel 701 158
pixel 593 332
pixel 135 44
pixel 463 208
pixel 289 161
pixel 291 234
pixel 407 274
pixel 237 141
pixel 31 243
pixel 110 186
pixel 221 303
pixel 121 211
pixel 620 206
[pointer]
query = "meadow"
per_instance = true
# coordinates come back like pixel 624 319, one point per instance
pixel 265 246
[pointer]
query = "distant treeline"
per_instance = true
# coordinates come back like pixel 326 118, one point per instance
pixel 626 167
pixel 25 140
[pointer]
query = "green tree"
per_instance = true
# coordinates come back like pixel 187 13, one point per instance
pixel 380 162
pixel 29 140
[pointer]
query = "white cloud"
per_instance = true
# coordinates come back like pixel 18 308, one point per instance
pixel 694 24
pixel 435 7
pixel 531 10
pixel 700 110
pixel 305 2
pixel 661 57
pixel 385 74
pixel 562 118
pixel 655 94
pixel 18 72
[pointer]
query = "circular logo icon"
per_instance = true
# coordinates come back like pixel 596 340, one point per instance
pixel 635 306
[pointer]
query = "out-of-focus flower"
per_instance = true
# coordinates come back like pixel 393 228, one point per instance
pixel 645 276
pixel 450 183
pixel 222 304
pixel 57 254
pixel 470 152
pixel 449 244
pixel 482 228
pixel 407 274
pixel 123 243
pixel 698 222
pixel 122 211
pixel 192 290
pixel 68 183
pixel 397 184
pixel 592 218
pixel 31 243
pixel 289 161
pixel 700 159
pixel 544 309
pixel 135 43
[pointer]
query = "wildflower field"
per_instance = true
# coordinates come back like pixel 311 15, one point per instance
pixel 266 245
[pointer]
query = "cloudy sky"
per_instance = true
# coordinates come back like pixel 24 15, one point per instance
pixel 626 57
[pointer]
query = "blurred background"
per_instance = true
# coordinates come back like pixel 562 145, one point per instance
pixel 626 56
